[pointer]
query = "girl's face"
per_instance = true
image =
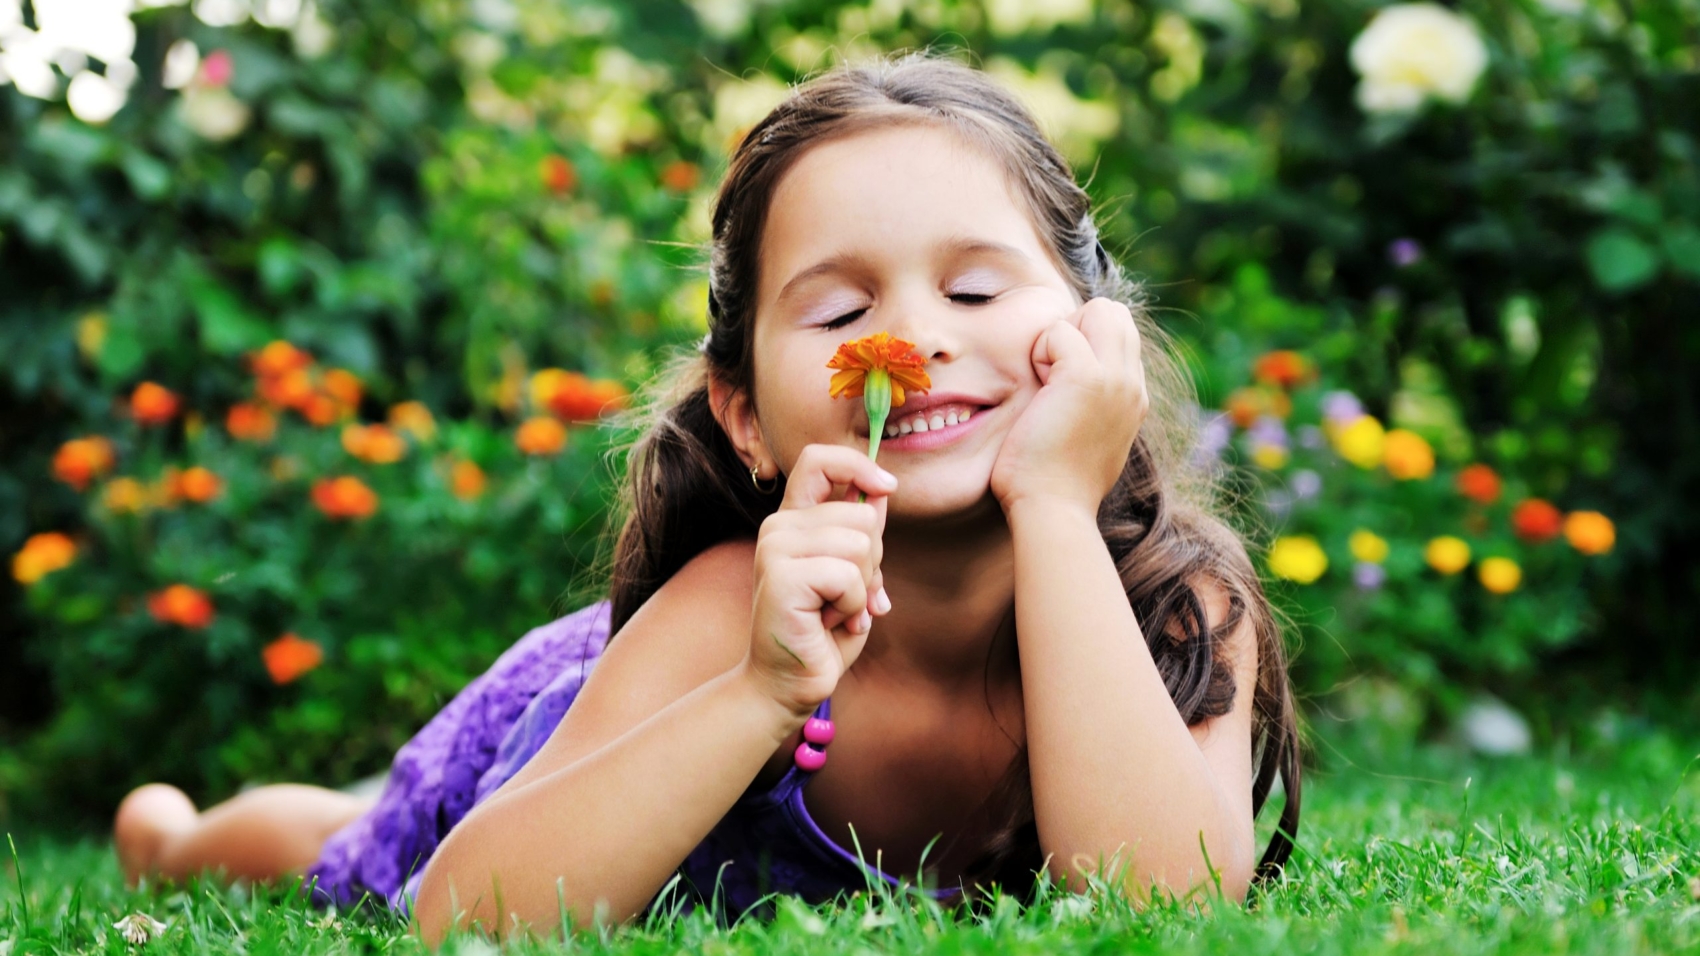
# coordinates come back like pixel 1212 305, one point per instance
pixel 910 231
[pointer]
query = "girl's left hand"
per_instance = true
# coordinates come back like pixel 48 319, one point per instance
pixel 1073 439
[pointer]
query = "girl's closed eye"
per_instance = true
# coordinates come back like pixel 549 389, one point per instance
pixel 844 319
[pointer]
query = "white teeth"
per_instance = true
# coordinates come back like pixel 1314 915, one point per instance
pixel 950 418
pixel 891 431
pixel 921 424
pixel 905 428
pixel 936 423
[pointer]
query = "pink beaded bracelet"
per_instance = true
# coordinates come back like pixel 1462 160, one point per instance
pixel 811 753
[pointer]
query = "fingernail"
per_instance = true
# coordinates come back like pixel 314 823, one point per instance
pixel 887 478
pixel 864 621
pixel 882 601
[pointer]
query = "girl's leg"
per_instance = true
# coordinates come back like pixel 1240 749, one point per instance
pixel 262 834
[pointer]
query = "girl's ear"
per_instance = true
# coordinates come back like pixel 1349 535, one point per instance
pixel 732 408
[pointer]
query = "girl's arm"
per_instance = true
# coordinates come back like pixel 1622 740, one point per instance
pixel 1115 770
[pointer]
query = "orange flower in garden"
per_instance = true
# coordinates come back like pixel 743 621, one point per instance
pixel 344 386
pixel 574 396
pixel 378 444
pixel 344 497
pixel 1406 455
pixel 153 404
pixel 541 436
pixel 124 496
pixel 277 359
pixel 292 389
pixel 1447 554
pixel 681 176
pixel 182 605
pixel 321 410
pixel 415 419
pixel 42 555
pixel 1500 575
pixel 164 492
pixel 1480 484
pixel 466 480
pixel 1246 405
pixel 1536 520
pixel 858 359
pixel 1590 532
pixel 249 422
pixel 1283 368
pixel 289 657
pixel 557 174
pixel 198 484
pixel 81 459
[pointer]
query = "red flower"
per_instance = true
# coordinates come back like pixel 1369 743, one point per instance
pixel 681 176
pixel 1283 368
pixel 344 497
pixel 182 605
pixel 1536 520
pixel 557 174
pixel 1480 484
pixel 153 404
pixel 289 657
pixel 250 422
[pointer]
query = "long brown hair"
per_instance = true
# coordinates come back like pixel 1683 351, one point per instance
pixel 686 489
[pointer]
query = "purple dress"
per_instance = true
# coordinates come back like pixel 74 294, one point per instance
pixel 766 843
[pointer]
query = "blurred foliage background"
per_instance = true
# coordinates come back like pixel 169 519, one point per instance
pixel 312 307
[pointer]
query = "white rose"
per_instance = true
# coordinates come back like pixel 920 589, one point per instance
pixel 1411 51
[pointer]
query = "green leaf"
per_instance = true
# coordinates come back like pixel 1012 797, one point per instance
pixel 149 177
pixel 227 327
pixel 121 354
pixel 1682 247
pixel 1620 260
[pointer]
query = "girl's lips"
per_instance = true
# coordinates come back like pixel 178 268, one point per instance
pixel 935 437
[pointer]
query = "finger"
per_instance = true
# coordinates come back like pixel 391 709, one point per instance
pixel 880 602
pixel 830 541
pixel 1107 325
pixel 820 467
pixel 825 584
pixel 1062 345
pixel 862 515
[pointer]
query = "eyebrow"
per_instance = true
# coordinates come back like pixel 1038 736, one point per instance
pixel 952 247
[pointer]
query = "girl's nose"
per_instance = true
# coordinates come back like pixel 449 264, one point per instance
pixel 929 327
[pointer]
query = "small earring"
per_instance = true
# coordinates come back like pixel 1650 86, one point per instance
pixel 754 481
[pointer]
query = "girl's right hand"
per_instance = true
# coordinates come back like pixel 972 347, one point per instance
pixel 817 576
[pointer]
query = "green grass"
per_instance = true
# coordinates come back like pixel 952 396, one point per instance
pixel 1418 851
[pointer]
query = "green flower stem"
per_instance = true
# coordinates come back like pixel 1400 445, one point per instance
pixel 876 398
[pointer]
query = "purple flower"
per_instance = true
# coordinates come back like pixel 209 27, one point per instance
pixel 1279 503
pixel 1268 430
pixel 1306 484
pixel 1341 408
pixel 1311 437
pixel 1404 252
pixel 1367 576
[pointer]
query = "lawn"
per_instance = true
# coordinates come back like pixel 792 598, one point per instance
pixel 1594 850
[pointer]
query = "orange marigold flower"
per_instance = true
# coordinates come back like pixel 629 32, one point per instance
pixel 466 480
pixel 199 485
pixel 1407 455
pixel 1536 520
pixel 124 496
pixel 1283 368
pixel 42 555
pixel 290 656
pixel 278 358
pixel 681 176
pixel 378 444
pixel 249 422
pixel 182 605
pixel 344 497
pixel 153 404
pixel 322 410
pixel 557 173
pixel 292 389
pixel 1447 554
pixel 1479 483
pixel 541 436
pixel 855 359
pixel 1590 532
pixel 344 386
pixel 82 459
pixel 1246 405
pixel 415 419
pixel 574 396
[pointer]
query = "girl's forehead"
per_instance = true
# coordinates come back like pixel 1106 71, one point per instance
pixel 891 193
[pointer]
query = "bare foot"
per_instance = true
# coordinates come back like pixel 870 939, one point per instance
pixel 146 818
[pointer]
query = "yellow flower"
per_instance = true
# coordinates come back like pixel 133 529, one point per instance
pixel 1447 554
pixel 1297 558
pixel 1590 532
pixel 1500 575
pixel 415 419
pixel 1269 457
pixel 125 496
pixel 1368 546
pixel 1407 455
pixel 1361 441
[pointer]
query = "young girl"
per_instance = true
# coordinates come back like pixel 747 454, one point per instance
pixel 1032 647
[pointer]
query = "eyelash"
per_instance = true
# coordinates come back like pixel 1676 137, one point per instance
pixel 980 298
